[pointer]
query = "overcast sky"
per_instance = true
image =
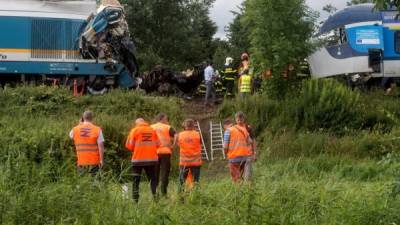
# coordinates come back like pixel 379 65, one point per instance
pixel 222 16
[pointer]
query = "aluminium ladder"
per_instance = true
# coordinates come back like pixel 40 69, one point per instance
pixel 217 139
pixel 204 154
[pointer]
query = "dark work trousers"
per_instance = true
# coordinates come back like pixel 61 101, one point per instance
pixel 151 174
pixel 92 170
pixel 230 85
pixel 184 172
pixel 163 170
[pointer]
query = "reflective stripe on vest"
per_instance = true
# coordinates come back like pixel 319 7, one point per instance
pixel 230 73
pixel 239 145
pixel 85 139
pixel 163 134
pixel 190 148
pixel 202 88
pixel 144 160
pixel 190 158
pixel 143 141
pixel 218 86
pixel 245 83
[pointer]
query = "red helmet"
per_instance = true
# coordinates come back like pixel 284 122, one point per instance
pixel 245 56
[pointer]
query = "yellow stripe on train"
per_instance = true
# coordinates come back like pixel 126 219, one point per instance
pixel 40 51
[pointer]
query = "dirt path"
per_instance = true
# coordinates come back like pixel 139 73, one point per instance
pixel 196 110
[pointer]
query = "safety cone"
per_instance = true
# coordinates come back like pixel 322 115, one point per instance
pixel 75 88
pixel 83 88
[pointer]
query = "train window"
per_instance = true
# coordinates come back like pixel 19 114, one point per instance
pixel 334 37
pixel 397 42
pixel 331 39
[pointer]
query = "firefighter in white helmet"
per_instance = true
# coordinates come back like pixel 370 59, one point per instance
pixel 229 75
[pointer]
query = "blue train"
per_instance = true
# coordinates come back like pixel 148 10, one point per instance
pixel 359 42
pixel 42 40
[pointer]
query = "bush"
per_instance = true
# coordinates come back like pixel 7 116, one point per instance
pixel 326 104
pixel 321 105
pixel 35 122
pixel 363 144
pixel 258 108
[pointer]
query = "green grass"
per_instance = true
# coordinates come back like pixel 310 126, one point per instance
pixel 302 176
pixel 296 191
pixel 35 121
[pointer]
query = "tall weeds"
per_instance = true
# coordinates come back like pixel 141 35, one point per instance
pixel 302 176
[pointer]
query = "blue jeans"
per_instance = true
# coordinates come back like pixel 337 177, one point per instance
pixel 210 91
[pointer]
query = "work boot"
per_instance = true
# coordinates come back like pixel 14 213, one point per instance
pixel 156 198
pixel 135 197
pixel 182 199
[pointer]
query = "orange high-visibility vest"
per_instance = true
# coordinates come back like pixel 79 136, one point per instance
pixel 143 141
pixel 239 145
pixel 164 137
pixel 87 149
pixel 190 148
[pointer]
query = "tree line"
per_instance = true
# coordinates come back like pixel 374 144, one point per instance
pixel 175 33
pixel 180 33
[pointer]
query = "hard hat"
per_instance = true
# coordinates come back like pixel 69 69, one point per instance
pixel 228 61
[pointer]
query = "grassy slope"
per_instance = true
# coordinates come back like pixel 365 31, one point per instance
pixel 298 191
pixel 38 184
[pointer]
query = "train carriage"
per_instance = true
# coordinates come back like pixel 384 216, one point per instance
pixel 358 41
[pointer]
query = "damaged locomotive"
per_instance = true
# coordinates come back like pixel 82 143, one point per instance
pixel 68 43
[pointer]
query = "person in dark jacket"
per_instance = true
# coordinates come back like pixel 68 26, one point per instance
pixel 229 75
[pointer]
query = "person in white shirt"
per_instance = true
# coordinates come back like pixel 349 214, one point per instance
pixel 209 76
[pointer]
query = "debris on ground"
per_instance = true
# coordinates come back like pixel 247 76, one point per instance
pixel 164 81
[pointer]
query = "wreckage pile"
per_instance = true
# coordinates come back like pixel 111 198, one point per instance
pixel 107 37
pixel 164 81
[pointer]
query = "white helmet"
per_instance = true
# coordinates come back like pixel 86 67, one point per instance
pixel 228 61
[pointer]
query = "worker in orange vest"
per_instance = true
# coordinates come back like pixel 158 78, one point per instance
pixel 189 142
pixel 143 143
pixel 240 146
pixel 89 144
pixel 166 136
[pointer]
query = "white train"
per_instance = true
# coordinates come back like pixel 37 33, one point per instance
pixel 358 41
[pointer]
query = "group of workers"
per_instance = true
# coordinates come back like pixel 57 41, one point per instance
pixel 153 145
pixel 229 75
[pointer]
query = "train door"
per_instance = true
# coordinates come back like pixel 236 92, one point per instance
pixel 375 60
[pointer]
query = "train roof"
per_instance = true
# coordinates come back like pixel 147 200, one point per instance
pixel 75 9
pixel 350 15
